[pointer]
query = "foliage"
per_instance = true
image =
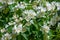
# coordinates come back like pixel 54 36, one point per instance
pixel 30 20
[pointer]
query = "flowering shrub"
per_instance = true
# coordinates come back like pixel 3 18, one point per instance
pixel 29 20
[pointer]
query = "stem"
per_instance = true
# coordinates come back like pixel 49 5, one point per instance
pixel 45 36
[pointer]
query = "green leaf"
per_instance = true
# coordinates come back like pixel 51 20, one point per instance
pixel 27 1
pixel 25 36
pixel 29 7
pixel 19 12
pixel 1 4
pixel 9 29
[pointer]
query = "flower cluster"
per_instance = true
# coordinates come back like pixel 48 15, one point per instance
pixel 30 20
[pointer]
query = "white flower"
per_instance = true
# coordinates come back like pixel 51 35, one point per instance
pixel 53 3
pixel 58 24
pixel 10 2
pixel 58 5
pixel 15 16
pixel 3 30
pixel 0 6
pixel 30 1
pixel 21 5
pixel 21 18
pixel 12 23
pixel 6 36
pixel 35 7
pixel 41 8
pixel 30 14
pixel 16 20
pixel 27 18
pixel 31 21
pixel 38 11
pixel 50 6
pixel 17 29
pixel 46 28
pixel 6 25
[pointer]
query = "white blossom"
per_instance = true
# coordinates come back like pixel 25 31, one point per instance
pixel 17 29
pixel 58 25
pixel 43 9
pixel 3 30
pixel 35 7
pixel 11 23
pixel 10 2
pixel 53 3
pixel 21 5
pixel 21 18
pixel 45 28
pixel 38 11
pixel 16 20
pixel 58 5
pixel 0 6
pixel 15 16
pixel 31 21
pixel 6 36
pixel 30 14
pixel 6 25
pixel 50 6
